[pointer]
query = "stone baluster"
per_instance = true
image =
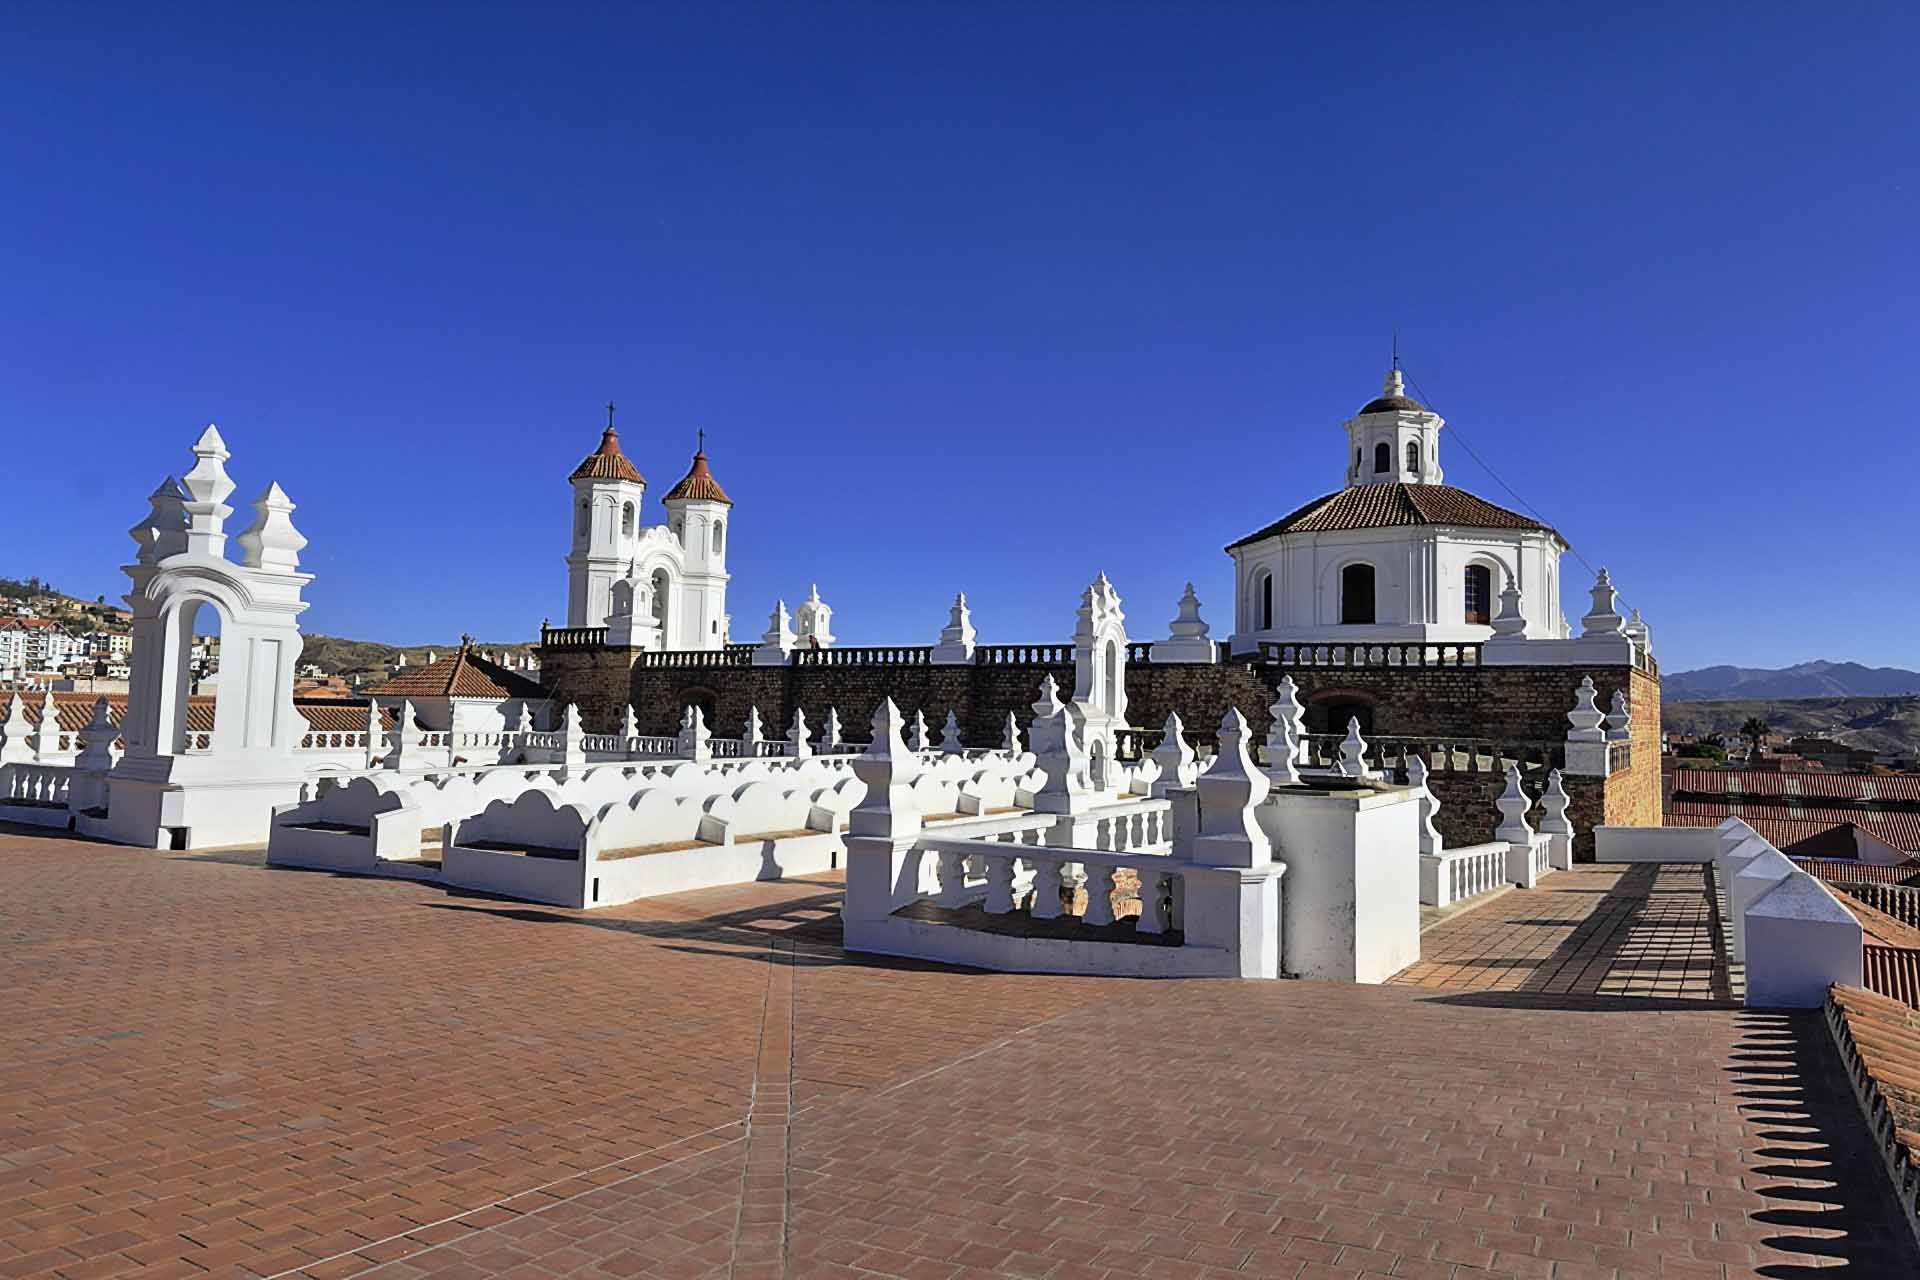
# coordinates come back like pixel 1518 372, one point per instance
pixel 1000 872
pixel 1099 896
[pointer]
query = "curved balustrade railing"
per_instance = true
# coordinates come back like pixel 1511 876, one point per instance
pixel 1442 754
pixel 734 655
pixel 1286 653
pixel 573 637
pixel 1022 655
pixel 333 741
pixel 878 655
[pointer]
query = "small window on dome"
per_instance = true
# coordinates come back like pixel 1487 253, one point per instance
pixel 1413 455
pixel 1383 457
pixel 626 520
pixel 1266 601
pixel 582 520
pixel 719 541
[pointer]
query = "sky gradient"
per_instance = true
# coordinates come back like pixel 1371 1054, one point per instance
pixel 971 297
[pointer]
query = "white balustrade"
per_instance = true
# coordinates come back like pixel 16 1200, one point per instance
pixel 1456 874
pixel 36 784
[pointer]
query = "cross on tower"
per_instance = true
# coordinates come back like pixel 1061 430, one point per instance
pixel 609 414
pixel 702 446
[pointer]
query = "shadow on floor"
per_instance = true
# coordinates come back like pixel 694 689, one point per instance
pixel 1821 1175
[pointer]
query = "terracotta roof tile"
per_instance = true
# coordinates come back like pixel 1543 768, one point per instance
pixel 463 675
pixel 1381 506
pixel 607 462
pixel 323 715
pixel 698 484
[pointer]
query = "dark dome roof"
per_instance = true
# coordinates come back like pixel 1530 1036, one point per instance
pixel 1380 506
pixel 1393 404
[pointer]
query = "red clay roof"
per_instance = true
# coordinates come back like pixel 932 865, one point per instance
pixel 323 715
pixel 698 484
pixel 1784 825
pixel 607 462
pixel 464 675
pixel 1381 506
pixel 1902 787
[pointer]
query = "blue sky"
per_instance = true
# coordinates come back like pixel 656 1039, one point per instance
pixel 971 297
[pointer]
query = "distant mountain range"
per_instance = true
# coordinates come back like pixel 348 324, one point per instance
pixel 1806 680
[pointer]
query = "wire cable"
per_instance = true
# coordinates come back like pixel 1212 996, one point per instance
pixel 1531 509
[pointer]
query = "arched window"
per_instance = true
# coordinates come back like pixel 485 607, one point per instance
pixel 719 542
pixel 1383 456
pixel 1479 594
pixel 1265 599
pixel 1413 455
pixel 626 521
pixel 1356 593
pixel 582 520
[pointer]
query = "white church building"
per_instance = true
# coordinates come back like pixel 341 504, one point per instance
pixel 659 586
pixel 1397 554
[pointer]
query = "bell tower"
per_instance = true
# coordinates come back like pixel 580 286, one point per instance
pixel 1394 439
pixel 607 490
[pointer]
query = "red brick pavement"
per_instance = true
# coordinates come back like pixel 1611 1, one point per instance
pixel 211 1067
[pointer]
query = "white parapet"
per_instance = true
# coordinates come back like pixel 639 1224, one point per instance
pixel 1656 844
pixel 1351 906
pixel 1800 941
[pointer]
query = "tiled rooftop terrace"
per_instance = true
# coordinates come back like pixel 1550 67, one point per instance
pixel 207 1066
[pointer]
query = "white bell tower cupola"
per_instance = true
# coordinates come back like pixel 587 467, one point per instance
pixel 1394 439
pixel 607 492
pixel 700 516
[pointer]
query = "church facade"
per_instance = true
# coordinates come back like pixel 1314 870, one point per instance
pixel 653 586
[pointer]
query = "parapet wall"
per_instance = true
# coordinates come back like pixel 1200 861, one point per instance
pixel 1501 704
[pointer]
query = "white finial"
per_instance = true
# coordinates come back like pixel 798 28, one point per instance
pixel 1395 385
pixel 1513 805
pixel 950 735
pixel 1353 752
pixel 207 486
pixel 271 542
pixel 1010 736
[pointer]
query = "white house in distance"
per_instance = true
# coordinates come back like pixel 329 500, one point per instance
pixel 1396 555
pixel 465 693
pixel 660 586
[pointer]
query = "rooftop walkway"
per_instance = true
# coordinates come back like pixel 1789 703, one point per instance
pixel 208 1066
pixel 1593 931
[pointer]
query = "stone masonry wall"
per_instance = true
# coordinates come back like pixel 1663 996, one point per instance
pixel 1506 704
